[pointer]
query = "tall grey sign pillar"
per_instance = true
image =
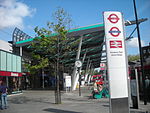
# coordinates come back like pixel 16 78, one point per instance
pixel 116 62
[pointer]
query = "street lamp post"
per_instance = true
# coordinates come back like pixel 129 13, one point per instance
pixel 140 50
pixel 78 64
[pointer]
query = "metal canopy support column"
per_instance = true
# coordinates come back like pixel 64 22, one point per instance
pixel 137 89
pixel 86 69
pixel 82 63
pixel 75 75
pixel 21 51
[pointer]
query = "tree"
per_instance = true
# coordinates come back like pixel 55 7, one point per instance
pixel 51 45
pixel 96 72
pixel 133 58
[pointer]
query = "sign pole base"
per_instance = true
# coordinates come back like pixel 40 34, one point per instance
pixel 121 103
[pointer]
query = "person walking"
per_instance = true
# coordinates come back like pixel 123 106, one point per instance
pixel 147 82
pixel 147 85
pixel 3 95
pixel 134 92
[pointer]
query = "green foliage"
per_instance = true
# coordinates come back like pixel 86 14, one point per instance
pixel 133 57
pixel 61 19
pixel 37 64
pixel 51 42
pixel 96 72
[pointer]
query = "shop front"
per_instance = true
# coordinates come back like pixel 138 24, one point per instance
pixel 12 80
pixel 10 71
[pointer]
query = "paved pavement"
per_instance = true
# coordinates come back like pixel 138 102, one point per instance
pixel 44 102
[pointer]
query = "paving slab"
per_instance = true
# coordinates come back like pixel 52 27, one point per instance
pixel 43 101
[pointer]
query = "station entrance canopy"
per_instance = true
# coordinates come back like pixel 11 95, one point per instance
pixel 92 43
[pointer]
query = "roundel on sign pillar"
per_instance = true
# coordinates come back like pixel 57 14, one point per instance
pixel 114 31
pixel 113 18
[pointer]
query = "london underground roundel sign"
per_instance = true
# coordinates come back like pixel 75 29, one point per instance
pixel 113 18
pixel 114 31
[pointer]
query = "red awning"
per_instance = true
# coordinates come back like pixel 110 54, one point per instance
pixel 7 73
pixel 96 75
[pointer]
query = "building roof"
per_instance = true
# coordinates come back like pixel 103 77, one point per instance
pixel 92 44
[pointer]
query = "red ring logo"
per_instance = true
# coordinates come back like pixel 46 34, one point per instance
pixel 113 18
pixel 114 31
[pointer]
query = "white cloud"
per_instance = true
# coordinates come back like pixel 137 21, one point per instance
pixel 134 42
pixel 12 13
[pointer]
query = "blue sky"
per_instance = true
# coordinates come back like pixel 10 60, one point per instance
pixel 27 14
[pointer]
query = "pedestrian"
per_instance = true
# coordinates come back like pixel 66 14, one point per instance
pixel 147 82
pixel 95 90
pixel 100 87
pixel 134 92
pixel 3 95
pixel 147 85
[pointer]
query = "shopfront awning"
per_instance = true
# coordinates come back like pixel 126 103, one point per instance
pixel 10 74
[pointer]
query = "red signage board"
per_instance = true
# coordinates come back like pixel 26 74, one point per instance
pixel 7 73
pixel 116 44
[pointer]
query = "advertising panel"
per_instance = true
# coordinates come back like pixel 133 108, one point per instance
pixel 68 81
pixel 10 62
pixel 2 60
pixel 18 58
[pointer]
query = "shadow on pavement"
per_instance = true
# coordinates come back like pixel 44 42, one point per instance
pixel 59 111
pixel 137 112
pixel 20 100
pixel 105 105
